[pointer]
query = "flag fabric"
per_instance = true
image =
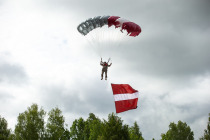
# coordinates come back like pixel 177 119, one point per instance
pixel 125 97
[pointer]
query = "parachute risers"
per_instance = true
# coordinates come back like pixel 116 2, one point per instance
pixel 132 28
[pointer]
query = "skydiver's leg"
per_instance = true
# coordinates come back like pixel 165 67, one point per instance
pixel 105 75
pixel 102 73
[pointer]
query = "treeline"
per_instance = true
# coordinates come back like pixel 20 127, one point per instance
pixel 31 125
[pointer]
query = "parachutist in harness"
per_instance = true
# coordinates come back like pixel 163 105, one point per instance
pixel 105 66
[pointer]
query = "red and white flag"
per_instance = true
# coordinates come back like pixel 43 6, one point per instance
pixel 125 97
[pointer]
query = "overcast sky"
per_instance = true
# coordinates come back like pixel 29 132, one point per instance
pixel 44 60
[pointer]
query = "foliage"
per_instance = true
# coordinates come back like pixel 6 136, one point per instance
pixel 55 126
pixel 207 131
pixel 77 129
pixel 134 132
pixel 30 124
pixel 178 131
pixel 86 130
pixel 114 129
pixel 4 131
pixel 93 127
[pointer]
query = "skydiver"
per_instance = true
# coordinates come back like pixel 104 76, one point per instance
pixel 105 66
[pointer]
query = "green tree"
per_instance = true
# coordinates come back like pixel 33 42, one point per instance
pixel 30 124
pixel 93 127
pixel 207 131
pixel 77 130
pixel 55 129
pixel 12 137
pixel 114 129
pixel 86 130
pixel 178 131
pixel 134 132
pixel 4 131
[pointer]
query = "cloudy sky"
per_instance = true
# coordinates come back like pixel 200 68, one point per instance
pixel 44 60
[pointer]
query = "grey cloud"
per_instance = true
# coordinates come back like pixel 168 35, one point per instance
pixel 202 110
pixel 4 96
pixel 178 12
pixel 83 100
pixel 1 2
pixel 169 54
pixel 5 101
pixel 12 73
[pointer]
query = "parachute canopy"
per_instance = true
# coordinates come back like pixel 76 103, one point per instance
pixel 132 28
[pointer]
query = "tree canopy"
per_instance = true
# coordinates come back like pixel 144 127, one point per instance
pixel 55 128
pixel 207 131
pixel 30 124
pixel 4 131
pixel 180 131
pixel 35 123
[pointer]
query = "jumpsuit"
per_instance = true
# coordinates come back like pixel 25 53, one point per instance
pixel 104 69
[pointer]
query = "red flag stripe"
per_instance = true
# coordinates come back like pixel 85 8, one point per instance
pixel 120 97
pixel 125 105
pixel 122 89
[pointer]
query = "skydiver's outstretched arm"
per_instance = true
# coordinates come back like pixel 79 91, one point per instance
pixel 110 64
pixel 101 63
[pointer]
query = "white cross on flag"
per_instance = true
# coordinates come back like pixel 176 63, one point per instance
pixel 125 97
